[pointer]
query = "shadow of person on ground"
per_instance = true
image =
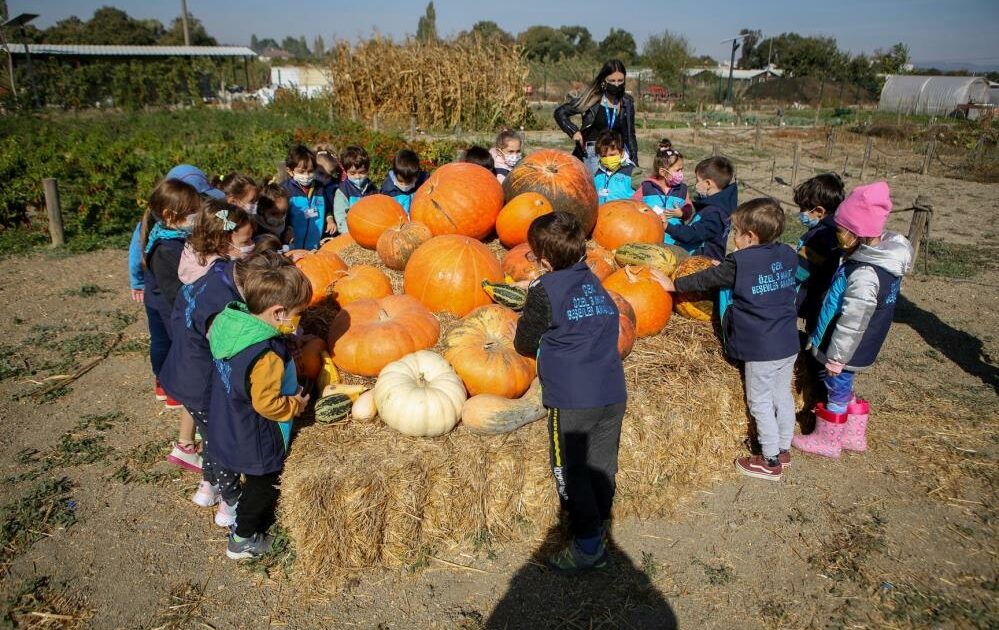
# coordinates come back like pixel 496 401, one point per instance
pixel 618 596
pixel 965 350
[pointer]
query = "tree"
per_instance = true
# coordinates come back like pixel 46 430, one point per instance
pixel 255 43
pixel 290 45
pixel 426 28
pixel 579 37
pixel 749 42
pixel 667 54
pixel 303 47
pixel 619 44
pixel 801 56
pixel 893 60
pixel 113 26
pixel 543 43
pixel 175 35
pixel 318 46
pixel 266 43
pixel 486 31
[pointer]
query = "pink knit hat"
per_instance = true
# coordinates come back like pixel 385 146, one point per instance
pixel 865 210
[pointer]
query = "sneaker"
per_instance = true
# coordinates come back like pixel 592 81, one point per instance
pixel 572 560
pixel 226 514
pixel 158 390
pixel 186 457
pixel 206 495
pixel 170 403
pixel 784 457
pixel 252 547
pixel 757 466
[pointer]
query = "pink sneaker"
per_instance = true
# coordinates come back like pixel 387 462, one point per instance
pixel 828 434
pixel 226 515
pixel 206 495
pixel 855 433
pixel 187 457
pixel 159 391
pixel 170 403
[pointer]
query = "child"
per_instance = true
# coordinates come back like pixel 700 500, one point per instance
pixel 855 317
pixel 506 153
pixel 254 391
pixel 760 327
pixel 328 169
pixel 240 190
pixel 355 163
pixel 310 203
pixel 481 156
pixel 665 191
pixel 818 251
pixel 159 341
pixel 272 213
pixel 570 323
pixel 613 176
pixel 717 197
pixel 165 228
pixel 222 231
pixel 404 178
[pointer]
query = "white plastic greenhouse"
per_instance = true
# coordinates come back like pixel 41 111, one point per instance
pixel 933 95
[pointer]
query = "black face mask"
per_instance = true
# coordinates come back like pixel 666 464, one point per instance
pixel 617 91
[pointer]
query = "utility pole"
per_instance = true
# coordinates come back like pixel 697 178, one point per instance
pixel 770 51
pixel 731 65
pixel 183 21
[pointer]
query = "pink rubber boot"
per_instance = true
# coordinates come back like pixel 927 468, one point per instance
pixel 855 433
pixel 825 439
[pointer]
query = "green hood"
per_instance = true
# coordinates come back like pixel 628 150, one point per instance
pixel 235 330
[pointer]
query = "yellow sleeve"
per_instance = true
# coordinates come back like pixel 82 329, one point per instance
pixel 265 390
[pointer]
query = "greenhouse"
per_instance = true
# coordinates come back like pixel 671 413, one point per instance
pixel 937 95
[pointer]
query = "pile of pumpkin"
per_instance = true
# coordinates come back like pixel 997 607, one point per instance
pixel 478 378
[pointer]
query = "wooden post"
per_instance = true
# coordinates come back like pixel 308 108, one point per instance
pixel 930 148
pixel 845 161
pixel 457 130
pixel 830 142
pixel 375 121
pixel 773 170
pixel 697 126
pixel 714 150
pixel 759 137
pixel 920 224
pixel 412 126
pixel 54 211
pixel 867 156
pixel 797 161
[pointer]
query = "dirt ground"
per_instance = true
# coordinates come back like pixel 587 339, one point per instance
pixel 99 532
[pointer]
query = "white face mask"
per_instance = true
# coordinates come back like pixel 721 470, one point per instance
pixel 251 208
pixel 304 179
pixel 511 159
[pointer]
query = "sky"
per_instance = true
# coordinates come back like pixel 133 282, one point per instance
pixel 952 31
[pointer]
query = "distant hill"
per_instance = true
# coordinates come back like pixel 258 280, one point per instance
pixel 953 65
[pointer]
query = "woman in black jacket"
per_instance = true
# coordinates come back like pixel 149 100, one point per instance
pixel 603 105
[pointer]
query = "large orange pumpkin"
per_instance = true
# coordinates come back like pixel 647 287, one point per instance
pixel 600 261
pixel 652 304
pixel 626 324
pixel 561 178
pixel 361 282
pixel 699 304
pixel 480 349
pixel 322 270
pixel 367 335
pixel 398 243
pixel 459 198
pixel 372 215
pixel 446 274
pixel 627 221
pixel 337 244
pixel 516 216
pixel 309 361
pixel 520 263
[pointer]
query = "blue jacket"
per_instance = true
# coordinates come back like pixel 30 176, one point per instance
pixel 614 186
pixel 187 372
pixel 404 197
pixel 307 212
pixel 707 233
pixel 818 259
pixel 653 195
pixel 135 279
pixel 578 362
pixel 760 324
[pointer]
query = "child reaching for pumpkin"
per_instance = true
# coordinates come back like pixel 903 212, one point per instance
pixel 716 199
pixel 571 324
pixel 855 317
pixel 255 393
pixel 665 192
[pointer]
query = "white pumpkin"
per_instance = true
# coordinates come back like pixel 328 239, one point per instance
pixel 419 395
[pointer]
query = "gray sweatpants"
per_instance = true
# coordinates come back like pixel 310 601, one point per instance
pixel 768 394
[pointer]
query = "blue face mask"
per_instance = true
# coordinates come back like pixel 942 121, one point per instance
pixel 806 220
pixel 358 181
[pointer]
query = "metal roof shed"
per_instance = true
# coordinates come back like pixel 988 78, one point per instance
pixel 935 95
pixel 100 50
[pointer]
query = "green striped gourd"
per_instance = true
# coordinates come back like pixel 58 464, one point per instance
pixel 646 255
pixel 508 295
pixel 332 409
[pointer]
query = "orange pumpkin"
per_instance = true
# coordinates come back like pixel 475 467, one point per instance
pixel 627 221
pixel 368 334
pixel 398 243
pixel 520 263
pixel 652 304
pixel 360 282
pixel 561 178
pixel 322 270
pixel 371 216
pixel 600 261
pixel 446 274
pixel 309 362
pixel 459 198
pixel 480 349
pixel 337 244
pixel 698 304
pixel 626 324
pixel 516 216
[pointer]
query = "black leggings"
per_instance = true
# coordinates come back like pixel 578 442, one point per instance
pixel 255 510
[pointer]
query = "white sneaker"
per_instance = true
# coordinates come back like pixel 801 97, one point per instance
pixel 187 457
pixel 206 495
pixel 226 515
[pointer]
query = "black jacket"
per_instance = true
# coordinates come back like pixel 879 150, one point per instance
pixel 565 112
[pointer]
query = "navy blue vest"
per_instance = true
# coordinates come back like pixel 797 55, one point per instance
pixel 241 439
pixel 578 362
pixel 152 295
pixel 877 328
pixel 820 257
pixel 761 323
pixel 187 371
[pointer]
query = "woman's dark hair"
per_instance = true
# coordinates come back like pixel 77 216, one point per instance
pixel 593 92
pixel 666 156
pixel 481 156
pixel 825 190
pixel 557 237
